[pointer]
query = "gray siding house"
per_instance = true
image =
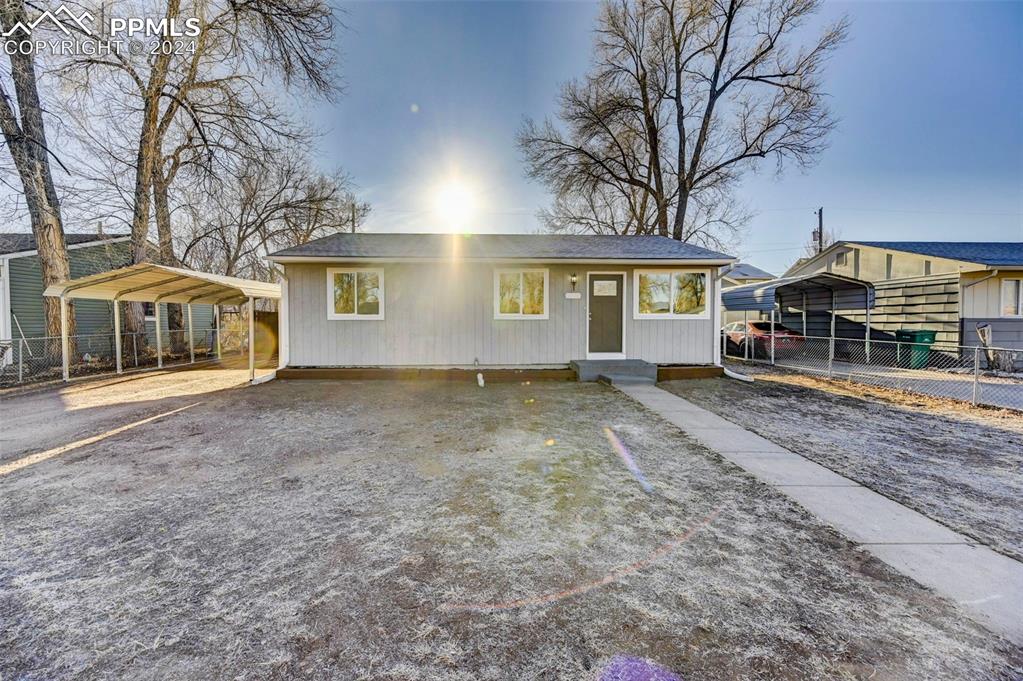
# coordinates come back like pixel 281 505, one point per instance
pixel 496 301
pixel 946 286
pixel 21 290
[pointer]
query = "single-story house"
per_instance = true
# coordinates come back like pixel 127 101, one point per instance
pixel 945 286
pixel 22 314
pixel 497 300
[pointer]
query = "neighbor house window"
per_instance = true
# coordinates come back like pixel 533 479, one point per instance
pixel 1012 297
pixel 842 259
pixel 355 293
pixel 149 310
pixel 672 294
pixel 520 294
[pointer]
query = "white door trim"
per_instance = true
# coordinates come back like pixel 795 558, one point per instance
pixel 606 355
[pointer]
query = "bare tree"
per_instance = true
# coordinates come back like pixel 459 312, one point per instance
pixel 189 105
pixel 25 137
pixel 683 97
pixel 263 207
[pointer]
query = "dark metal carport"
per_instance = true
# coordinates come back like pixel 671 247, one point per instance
pixel 789 300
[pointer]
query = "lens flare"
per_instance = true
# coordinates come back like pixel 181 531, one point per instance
pixel 623 452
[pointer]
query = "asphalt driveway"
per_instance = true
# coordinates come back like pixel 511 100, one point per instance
pixel 431 531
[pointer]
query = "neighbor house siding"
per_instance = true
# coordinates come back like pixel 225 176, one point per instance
pixel 983 298
pixel 26 282
pixel 202 323
pixel 930 303
pixel 92 317
pixel 443 315
pixel 873 264
pixel 981 303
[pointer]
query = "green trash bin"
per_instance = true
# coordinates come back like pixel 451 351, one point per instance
pixel 914 356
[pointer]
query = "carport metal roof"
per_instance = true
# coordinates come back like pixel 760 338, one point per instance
pixel 149 283
pixel 823 292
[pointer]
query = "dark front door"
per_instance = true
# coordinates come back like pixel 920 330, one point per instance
pixel 605 306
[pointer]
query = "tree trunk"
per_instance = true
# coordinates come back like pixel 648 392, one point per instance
pixel 161 204
pixel 144 165
pixel 679 229
pixel 26 139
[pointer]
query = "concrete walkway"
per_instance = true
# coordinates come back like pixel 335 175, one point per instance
pixel 986 584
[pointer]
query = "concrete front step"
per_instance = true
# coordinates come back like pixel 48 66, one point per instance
pixel 590 369
pixel 625 379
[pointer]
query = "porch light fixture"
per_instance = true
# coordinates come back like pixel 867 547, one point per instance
pixel 573 279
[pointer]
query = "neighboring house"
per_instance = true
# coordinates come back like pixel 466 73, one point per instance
pixel 498 300
pixel 945 286
pixel 740 274
pixel 21 281
pixel 21 289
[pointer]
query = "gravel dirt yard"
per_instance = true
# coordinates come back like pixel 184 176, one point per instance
pixel 960 465
pixel 383 530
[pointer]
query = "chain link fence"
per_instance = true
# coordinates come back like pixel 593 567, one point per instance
pixel 990 376
pixel 37 360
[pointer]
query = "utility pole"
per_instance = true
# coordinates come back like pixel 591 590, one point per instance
pixel 818 234
pixel 353 216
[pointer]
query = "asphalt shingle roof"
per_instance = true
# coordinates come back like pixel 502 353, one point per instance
pixel 500 246
pixel 16 242
pixel 743 270
pixel 991 253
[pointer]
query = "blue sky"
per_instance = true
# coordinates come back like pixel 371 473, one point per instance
pixel 930 97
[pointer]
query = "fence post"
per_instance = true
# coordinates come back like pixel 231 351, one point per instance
pixel 21 359
pixel 976 374
pixel 831 355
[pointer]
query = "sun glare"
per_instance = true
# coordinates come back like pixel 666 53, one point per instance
pixel 455 206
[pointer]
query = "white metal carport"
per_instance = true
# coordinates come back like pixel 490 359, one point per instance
pixel 151 283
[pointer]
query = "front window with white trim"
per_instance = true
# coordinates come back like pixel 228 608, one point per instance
pixel 670 294
pixel 356 293
pixel 520 294
pixel 1012 298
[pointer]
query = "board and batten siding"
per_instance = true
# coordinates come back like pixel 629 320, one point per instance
pixel 982 304
pixel 442 315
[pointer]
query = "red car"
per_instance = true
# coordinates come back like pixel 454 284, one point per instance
pixel 786 341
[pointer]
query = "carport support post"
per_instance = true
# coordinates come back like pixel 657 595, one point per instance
pixel 772 336
pixel 64 350
pixel 252 333
pixel 831 341
pixel 804 313
pixel 117 334
pixel 191 340
pixel 216 322
pixel 159 336
pixel 745 334
pixel 866 306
